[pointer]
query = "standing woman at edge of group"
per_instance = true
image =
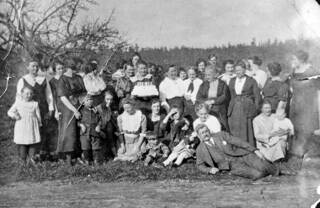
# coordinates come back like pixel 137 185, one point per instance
pixel 244 104
pixel 70 90
pixel 304 109
pixel 41 94
pixel 275 90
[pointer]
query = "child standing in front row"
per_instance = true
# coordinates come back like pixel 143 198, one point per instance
pixel 28 121
pixel 91 135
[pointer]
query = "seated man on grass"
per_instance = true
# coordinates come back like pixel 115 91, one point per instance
pixel 223 152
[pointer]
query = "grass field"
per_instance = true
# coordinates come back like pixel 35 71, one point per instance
pixel 123 184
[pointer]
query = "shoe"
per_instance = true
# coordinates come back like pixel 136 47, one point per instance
pixel 317 132
pixel 156 165
pixel 81 161
pixel 174 165
pixel 288 172
pixel 96 163
pixel 32 162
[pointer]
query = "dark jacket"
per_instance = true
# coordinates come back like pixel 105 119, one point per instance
pixel 91 119
pixel 250 97
pixel 219 109
pixel 221 153
pixel 223 95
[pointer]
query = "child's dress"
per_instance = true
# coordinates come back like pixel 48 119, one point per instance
pixel 278 144
pixel 26 130
pixel 284 124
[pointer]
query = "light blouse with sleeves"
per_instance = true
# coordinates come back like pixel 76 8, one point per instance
pixel 170 88
pixel 94 84
pixel 197 82
pixel 132 125
pixel 262 127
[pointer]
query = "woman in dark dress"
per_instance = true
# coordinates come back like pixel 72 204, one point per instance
pixel 155 118
pixel 70 90
pixel 244 104
pixel 275 91
pixel 41 94
pixel 215 93
pixel 53 127
pixel 304 109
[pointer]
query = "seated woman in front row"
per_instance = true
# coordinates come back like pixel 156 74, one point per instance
pixel 271 132
pixel 202 111
pixel 132 126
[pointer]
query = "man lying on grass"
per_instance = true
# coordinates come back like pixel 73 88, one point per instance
pixel 223 152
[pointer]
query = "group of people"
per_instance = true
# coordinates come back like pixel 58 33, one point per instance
pixel 235 118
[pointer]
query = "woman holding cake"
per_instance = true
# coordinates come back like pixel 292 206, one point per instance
pixel 144 89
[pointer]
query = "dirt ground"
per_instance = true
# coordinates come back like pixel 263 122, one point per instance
pixel 295 191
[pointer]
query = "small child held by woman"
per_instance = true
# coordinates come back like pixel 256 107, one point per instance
pixel 28 121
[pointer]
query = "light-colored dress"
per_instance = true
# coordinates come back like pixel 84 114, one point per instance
pixel 284 124
pixel 132 127
pixel 272 148
pixel 26 130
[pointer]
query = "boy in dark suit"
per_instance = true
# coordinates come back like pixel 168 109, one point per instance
pixel 90 132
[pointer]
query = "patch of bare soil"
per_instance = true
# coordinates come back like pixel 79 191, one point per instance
pixel 298 191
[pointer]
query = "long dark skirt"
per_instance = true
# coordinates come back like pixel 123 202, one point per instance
pixel 67 141
pixel 50 143
pixel 241 125
pixel 189 110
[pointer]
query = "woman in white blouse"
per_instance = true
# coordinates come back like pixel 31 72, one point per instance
pixel 191 88
pixel 171 89
pixel 93 82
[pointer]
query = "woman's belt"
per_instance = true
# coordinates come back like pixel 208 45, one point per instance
pixel 131 132
pixel 242 97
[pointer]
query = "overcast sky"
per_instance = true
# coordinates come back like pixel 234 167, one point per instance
pixel 205 23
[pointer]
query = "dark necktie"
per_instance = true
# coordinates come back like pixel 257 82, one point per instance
pixel 191 87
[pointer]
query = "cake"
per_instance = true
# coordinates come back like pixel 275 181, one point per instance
pixel 144 88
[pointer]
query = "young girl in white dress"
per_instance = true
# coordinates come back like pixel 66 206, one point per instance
pixel 28 121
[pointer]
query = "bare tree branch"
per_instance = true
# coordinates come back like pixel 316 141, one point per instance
pixel 57 9
pixel 73 13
